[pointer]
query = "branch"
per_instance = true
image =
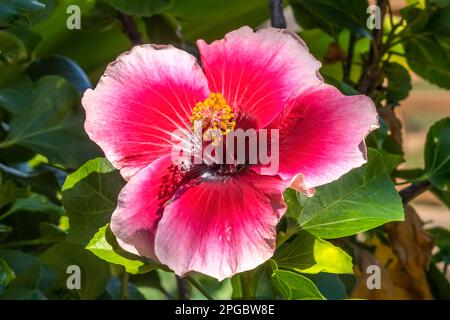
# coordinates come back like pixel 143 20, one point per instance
pixel 348 62
pixel 277 18
pixel 124 286
pixel 130 29
pixel 182 289
pixel 391 14
pixel 414 190
pixel 370 78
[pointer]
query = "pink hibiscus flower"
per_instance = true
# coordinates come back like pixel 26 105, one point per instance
pixel 214 219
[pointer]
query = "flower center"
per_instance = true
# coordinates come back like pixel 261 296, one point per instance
pixel 213 117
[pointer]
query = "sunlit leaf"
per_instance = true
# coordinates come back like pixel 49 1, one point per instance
pixel 90 197
pixel 293 286
pixel 360 200
pixel 309 254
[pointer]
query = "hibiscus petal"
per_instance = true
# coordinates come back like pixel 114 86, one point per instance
pixel 322 136
pixel 141 99
pixel 140 206
pixel 258 72
pixel 221 227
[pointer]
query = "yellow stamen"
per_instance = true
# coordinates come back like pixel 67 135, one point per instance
pixel 216 116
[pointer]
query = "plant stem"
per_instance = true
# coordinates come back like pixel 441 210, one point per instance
pixel 277 18
pixel 348 63
pixel 370 78
pixel 7 143
pixel 414 190
pixel 6 214
pixel 197 286
pixel 130 29
pixel 246 280
pixel 124 286
pixel 391 14
pixel 182 288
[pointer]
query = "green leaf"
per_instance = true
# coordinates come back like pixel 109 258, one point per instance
pixel 162 29
pixel 35 203
pixel 17 154
pixel 295 202
pixel 409 174
pixel 9 192
pixel 29 38
pixel 442 238
pixel 211 20
pixel 19 12
pixel 442 195
pixel 399 83
pixel 4 229
pixel 391 160
pixel 383 141
pixel 309 254
pixel 428 56
pixel 330 285
pixel 104 246
pixel 439 22
pixel 25 286
pixel 53 124
pixel 114 290
pixel 94 272
pixel 51 233
pixel 441 3
pixel 6 274
pixel 331 15
pixel 439 283
pixel 99 18
pixel 236 284
pixel 12 49
pixel 345 88
pixel 32 280
pixel 90 197
pixel 360 200
pixel 437 155
pixel 426 43
pixel 416 18
pixel 140 8
pixel 45 180
pixel 261 281
pixel 293 286
pixel 12 98
pixel 18 261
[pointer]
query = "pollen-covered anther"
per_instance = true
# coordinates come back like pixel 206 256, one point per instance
pixel 215 117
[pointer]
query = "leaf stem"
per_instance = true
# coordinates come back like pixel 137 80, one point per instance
pixel 246 280
pixel 7 143
pixel 124 286
pixel 6 214
pixel 277 19
pixel 197 286
pixel 182 288
pixel 130 29
pixel 415 189
pixel 348 62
